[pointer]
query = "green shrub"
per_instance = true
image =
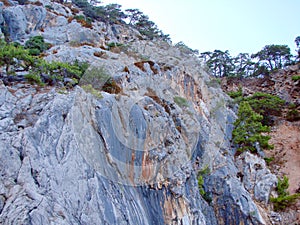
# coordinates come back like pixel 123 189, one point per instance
pixel 96 76
pixel 236 94
pixel 59 70
pixel 296 78
pixel 282 202
pixel 292 106
pixel 266 104
pixel 293 115
pixel 34 78
pixel 14 56
pixel 114 44
pixel 100 80
pixel 202 192
pixel 284 199
pixel 89 88
pixel 82 66
pixel 268 160
pixel 56 71
pixel 84 21
pixel 248 130
pixel 180 101
pixel 36 45
pixel 282 186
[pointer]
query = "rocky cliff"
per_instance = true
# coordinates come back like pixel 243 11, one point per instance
pixel 130 157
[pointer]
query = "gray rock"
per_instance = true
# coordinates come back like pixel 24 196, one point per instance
pixel 127 158
pixel 1 14
pixel 35 16
pixel 67 168
pixel 22 20
pixel 61 9
pixel 16 21
pixel 255 176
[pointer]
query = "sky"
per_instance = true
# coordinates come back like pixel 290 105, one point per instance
pixel 240 26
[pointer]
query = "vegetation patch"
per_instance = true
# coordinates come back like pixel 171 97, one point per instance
pixel 236 94
pixel 100 80
pixel 17 59
pixel 296 78
pixel 284 199
pixel 89 88
pixel 14 57
pixel 84 21
pixel 34 78
pixel 180 101
pixel 269 160
pixel 202 192
pixel 249 130
pixel 293 115
pixel 36 45
pixel 264 104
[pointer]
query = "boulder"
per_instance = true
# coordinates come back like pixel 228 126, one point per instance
pixel 255 176
pixel 16 21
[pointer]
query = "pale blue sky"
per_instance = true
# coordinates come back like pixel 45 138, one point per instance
pixel 234 25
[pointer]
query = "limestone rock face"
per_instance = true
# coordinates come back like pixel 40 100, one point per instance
pixel 256 177
pixel 70 166
pixel 22 20
pixel 16 21
pixel 70 157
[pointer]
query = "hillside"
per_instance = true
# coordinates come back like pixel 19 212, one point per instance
pixel 285 133
pixel 105 122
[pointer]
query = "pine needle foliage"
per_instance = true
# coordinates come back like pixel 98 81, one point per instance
pixel 249 130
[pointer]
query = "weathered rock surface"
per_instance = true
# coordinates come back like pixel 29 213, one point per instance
pixel 70 167
pixel 128 158
pixel 255 176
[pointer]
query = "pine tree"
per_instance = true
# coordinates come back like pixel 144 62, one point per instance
pixel 248 130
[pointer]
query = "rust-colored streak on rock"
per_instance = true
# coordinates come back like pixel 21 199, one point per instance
pixel 131 168
pixel 147 168
pixel 140 65
pixel 175 210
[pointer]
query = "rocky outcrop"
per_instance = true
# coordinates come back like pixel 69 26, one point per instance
pixel 69 157
pixel 70 166
pixel 22 20
pixel 255 176
pixel 122 159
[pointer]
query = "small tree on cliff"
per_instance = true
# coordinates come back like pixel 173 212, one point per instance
pixel 248 130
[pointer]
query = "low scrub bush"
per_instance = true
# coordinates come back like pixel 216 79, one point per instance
pixel 236 94
pixel 89 88
pixel 84 21
pixel 34 78
pixel 293 115
pixel 202 192
pixel 180 101
pixel 296 78
pixel 36 45
pixel 284 199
